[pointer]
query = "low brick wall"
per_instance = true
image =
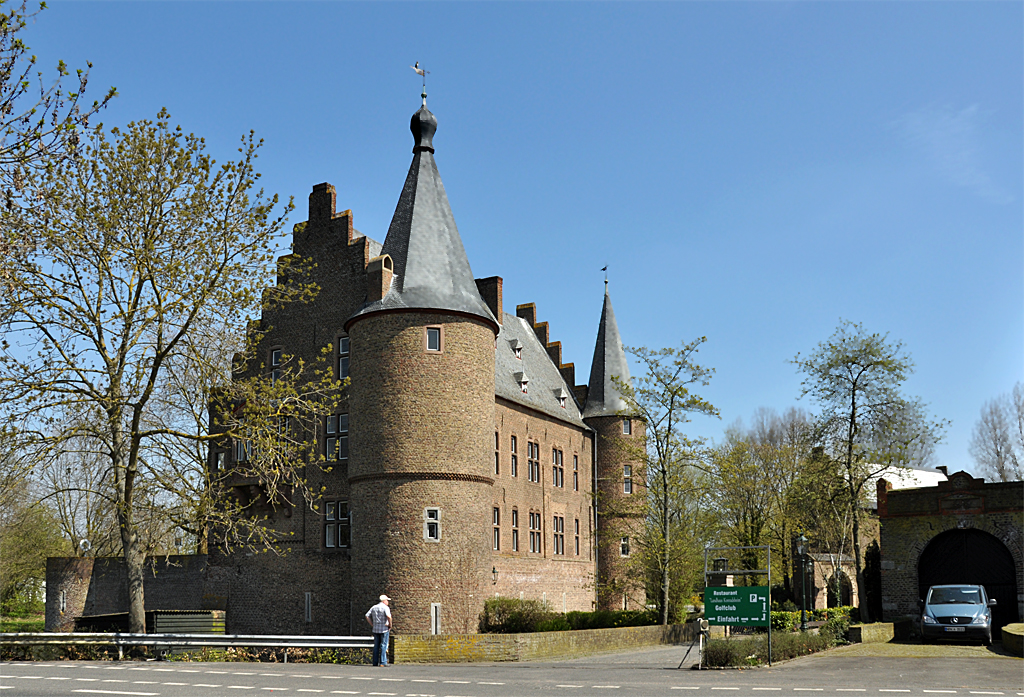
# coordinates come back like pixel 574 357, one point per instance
pixel 877 633
pixel 1013 639
pixel 469 648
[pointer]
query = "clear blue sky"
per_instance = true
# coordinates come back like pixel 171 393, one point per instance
pixel 752 172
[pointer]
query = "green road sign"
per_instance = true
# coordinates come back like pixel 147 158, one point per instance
pixel 743 606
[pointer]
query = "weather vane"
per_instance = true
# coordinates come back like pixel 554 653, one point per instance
pixel 422 73
pixel 605 269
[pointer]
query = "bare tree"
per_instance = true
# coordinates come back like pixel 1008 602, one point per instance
pixel 997 443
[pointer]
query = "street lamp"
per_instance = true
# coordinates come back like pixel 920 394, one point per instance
pixel 801 550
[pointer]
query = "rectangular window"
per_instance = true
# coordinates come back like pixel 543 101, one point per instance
pixel 627 426
pixel 243 450
pixel 624 547
pixel 309 606
pixel 336 525
pixel 217 460
pixel 434 339
pixel 336 443
pixel 514 462
pixel 533 461
pixel 535 533
pixel 627 479
pixel 275 365
pixel 558 534
pixel 496 522
pixel 435 618
pixel 432 524
pixel 342 357
pixel 497 453
pixel 515 530
pixel 557 470
pixel 576 530
pixel 575 472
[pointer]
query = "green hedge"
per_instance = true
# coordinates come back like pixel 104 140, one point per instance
pixel 515 616
pixel 752 651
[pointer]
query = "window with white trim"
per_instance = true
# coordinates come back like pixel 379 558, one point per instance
pixel 515 530
pixel 627 479
pixel 535 532
pixel 336 442
pixel 432 524
pixel 575 472
pixel 557 470
pixel 533 461
pixel 434 340
pixel 624 547
pixel 275 365
pixel 243 450
pixel 627 426
pixel 496 523
pixel 336 525
pixel 558 534
pixel 343 355
pixel 576 531
pixel 514 462
pixel 497 453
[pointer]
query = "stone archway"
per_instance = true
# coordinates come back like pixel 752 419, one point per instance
pixel 840 590
pixel 972 556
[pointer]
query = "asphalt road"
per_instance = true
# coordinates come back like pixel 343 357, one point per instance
pixel 649 672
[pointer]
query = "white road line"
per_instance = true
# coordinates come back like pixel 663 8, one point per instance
pixel 421 680
pixel 174 683
pixel 186 670
pixel 304 689
pixel 725 688
pixel 947 692
pixel 978 692
pixel 163 670
pixel 392 679
pixel 218 672
pixel 457 682
pixel 850 689
pixel 775 689
pixel 239 687
pixel 884 690
pixel 604 687
pixel 63 678
pixel 690 688
pixel 138 669
pixel 30 677
pixel 275 689
pixel 325 677
pixel 809 689
pixel 490 683
pixel 358 678
pixel 203 684
pixel 115 681
pixel 144 682
pixel 391 694
pixel 115 692
pixel 87 679
pixel 568 685
pixel 344 692
pixel 6 687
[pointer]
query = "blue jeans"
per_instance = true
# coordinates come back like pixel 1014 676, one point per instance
pixel 380 648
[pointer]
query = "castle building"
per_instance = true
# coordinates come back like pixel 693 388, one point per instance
pixel 467 463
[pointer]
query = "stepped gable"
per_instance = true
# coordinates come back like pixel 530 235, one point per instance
pixel 603 397
pixel 545 383
pixel 431 271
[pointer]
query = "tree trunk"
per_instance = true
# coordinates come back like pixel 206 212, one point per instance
pixel 134 560
pixel 862 591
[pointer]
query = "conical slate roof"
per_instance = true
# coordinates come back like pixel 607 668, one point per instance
pixel 430 264
pixel 603 397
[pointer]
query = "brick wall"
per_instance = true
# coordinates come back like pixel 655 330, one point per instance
pixel 535 646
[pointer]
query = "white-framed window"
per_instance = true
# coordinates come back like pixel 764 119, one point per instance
pixel 624 547
pixel 535 532
pixel 627 426
pixel 435 618
pixel 275 365
pixel 218 460
pixel 575 472
pixel 336 525
pixel 515 530
pixel 243 450
pixel 576 531
pixel 497 453
pixel 557 470
pixel 533 461
pixel 558 534
pixel 514 462
pixel 434 339
pixel 432 524
pixel 336 442
pixel 343 355
pixel 496 522
pixel 627 479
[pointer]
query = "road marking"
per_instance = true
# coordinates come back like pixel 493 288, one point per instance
pixel 275 689
pixel 115 692
pixel 144 682
pixel 343 692
pixel 186 670
pixel 850 689
pixel 457 682
pixel 392 694
pixel 604 687
pixel 357 678
pixel 163 670
pixel 766 688
pixel 109 680
pixel 811 689
pixel 421 680
pixel 87 679
pixel 138 669
pixel 6 687
pixel 60 678
pixel 219 672
pixel 490 683
pixel 392 679
pixel 978 692
pixel 239 687
pixel 725 688
pixel 884 690
pixel 174 683
pixel 948 692
pixel 237 673
pixel 202 684
pixel 30 677
pixel 568 685
pixel 303 689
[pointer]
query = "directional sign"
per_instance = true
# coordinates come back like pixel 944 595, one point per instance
pixel 742 606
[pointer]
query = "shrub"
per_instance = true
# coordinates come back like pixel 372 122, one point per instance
pixel 785 621
pixel 754 650
pixel 512 616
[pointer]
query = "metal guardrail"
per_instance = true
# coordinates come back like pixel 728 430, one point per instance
pixel 186 640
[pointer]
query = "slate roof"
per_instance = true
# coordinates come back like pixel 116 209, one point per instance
pixel 430 264
pixel 603 397
pixel 545 381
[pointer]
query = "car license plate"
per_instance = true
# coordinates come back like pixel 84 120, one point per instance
pixel 955 629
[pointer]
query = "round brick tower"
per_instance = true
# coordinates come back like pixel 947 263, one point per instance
pixel 620 481
pixel 422 416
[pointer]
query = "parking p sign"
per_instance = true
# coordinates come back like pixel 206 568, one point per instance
pixel 738 606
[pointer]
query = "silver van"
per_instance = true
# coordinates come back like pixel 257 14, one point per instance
pixel 957 612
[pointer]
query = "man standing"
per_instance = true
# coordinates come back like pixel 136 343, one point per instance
pixel 379 618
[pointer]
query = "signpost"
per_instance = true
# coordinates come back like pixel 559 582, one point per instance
pixel 746 606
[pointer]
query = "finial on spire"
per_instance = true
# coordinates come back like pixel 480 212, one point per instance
pixel 605 269
pixel 422 73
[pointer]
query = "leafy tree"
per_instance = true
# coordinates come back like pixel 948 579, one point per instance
pixel 673 463
pixel 139 242
pixel 997 443
pixel 866 424
pixel 29 534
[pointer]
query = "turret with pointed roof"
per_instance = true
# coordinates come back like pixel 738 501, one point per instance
pixel 431 270
pixel 604 398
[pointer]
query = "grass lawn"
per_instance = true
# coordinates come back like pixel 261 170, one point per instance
pixel 32 623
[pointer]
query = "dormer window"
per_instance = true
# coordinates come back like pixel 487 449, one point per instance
pixel 522 380
pixel 562 397
pixel 517 348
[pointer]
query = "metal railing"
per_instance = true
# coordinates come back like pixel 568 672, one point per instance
pixel 177 641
